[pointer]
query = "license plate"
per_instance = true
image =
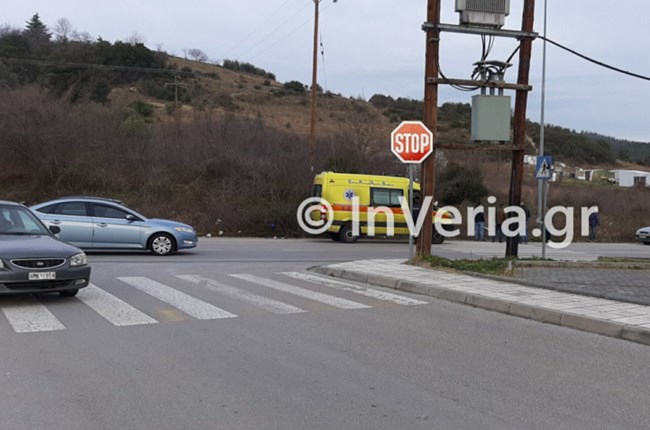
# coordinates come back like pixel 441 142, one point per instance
pixel 42 276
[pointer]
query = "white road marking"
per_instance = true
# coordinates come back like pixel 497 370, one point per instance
pixel 114 310
pixel 345 286
pixel 270 305
pixel 27 315
pixel 302 292
pixel 186 303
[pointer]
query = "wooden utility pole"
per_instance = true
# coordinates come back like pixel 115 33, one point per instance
pixel 519 134
pixel 175 85
pixel 314 93
pixel 428 174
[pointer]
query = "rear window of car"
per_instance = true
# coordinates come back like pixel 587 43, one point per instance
pixel 71 208
pixel 104 211
pixel 66 208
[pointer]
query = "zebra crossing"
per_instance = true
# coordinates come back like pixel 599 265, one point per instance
pixel 28 314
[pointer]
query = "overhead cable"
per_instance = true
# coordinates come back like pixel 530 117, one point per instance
pixel 591 60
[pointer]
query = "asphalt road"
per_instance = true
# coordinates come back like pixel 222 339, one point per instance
pixel 234 335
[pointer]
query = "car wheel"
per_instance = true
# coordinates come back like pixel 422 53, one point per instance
pixel 646 243
pixel 68 293
pixel 345 234
pixel 436 237
pixel 162 244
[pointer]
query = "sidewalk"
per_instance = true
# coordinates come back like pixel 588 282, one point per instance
pixel 624 320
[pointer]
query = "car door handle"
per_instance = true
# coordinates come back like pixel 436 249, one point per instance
pixel 55 222
pixel 102 224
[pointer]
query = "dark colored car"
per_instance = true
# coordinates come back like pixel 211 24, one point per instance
pixel 95 223
pixel 33 259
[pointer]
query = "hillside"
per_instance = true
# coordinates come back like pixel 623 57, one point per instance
pixel 226 148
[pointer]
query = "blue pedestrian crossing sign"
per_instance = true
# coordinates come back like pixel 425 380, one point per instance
pixel 544 168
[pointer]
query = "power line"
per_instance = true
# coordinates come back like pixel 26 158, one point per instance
pixel 238 44
pixel 280 40
pixel 591 60
pixel 264 38
pixel 286 35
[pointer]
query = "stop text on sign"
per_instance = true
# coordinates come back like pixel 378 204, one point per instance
pixel 411 142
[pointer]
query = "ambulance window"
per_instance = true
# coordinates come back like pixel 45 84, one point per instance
pixel 318 191
pixel 385 197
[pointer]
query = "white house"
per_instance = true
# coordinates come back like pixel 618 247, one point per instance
pixel 631 178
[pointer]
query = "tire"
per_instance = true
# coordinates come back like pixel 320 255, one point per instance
pixel 436 238
pixel 335 236
pixel 69 293
pixel 162 244
pixel 345 234
pixel 646 243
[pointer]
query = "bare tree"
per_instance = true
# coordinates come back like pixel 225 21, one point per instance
pixel 136 38
pixel 62 29
pixel 84 36
pixel 8 29
pixel 197 55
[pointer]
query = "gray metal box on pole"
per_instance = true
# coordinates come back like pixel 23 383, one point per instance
pixel 491 118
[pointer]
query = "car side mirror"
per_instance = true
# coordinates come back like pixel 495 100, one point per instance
pixel 130 218
pixel 55 229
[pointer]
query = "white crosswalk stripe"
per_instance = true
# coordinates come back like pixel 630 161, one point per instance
pixel 115 310
pixel 346 286
pixel 27 315
pixel 302 292
pixel 270 305
pixel 193 307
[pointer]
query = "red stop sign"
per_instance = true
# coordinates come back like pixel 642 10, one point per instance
pixel 411 142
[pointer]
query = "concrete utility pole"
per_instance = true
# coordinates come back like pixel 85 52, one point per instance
pixel 521 100
pixel 423 245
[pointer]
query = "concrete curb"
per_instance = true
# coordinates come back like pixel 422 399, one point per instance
pixel 563 319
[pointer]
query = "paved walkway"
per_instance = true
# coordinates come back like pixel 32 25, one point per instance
pixel 608 317
pixel 621 284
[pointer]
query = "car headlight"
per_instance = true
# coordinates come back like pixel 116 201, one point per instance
pixel 184 229
pixel 79 260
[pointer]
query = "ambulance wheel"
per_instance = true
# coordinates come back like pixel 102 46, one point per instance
pixel 335 236
pixel 437 238
pixel 345 234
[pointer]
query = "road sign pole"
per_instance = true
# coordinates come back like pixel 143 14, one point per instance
pixel 544 204
pixel 412 212
pixel 412 143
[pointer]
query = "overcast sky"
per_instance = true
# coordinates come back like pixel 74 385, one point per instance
pixel 378 46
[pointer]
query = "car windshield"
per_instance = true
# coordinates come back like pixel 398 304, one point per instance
pixel 17 220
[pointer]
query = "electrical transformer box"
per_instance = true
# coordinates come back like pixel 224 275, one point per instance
pixel 484 13
pixel 491 118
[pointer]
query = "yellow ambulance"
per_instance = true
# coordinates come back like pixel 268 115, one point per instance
pixel 372 191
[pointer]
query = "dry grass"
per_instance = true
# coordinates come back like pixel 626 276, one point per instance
pixel 241 167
